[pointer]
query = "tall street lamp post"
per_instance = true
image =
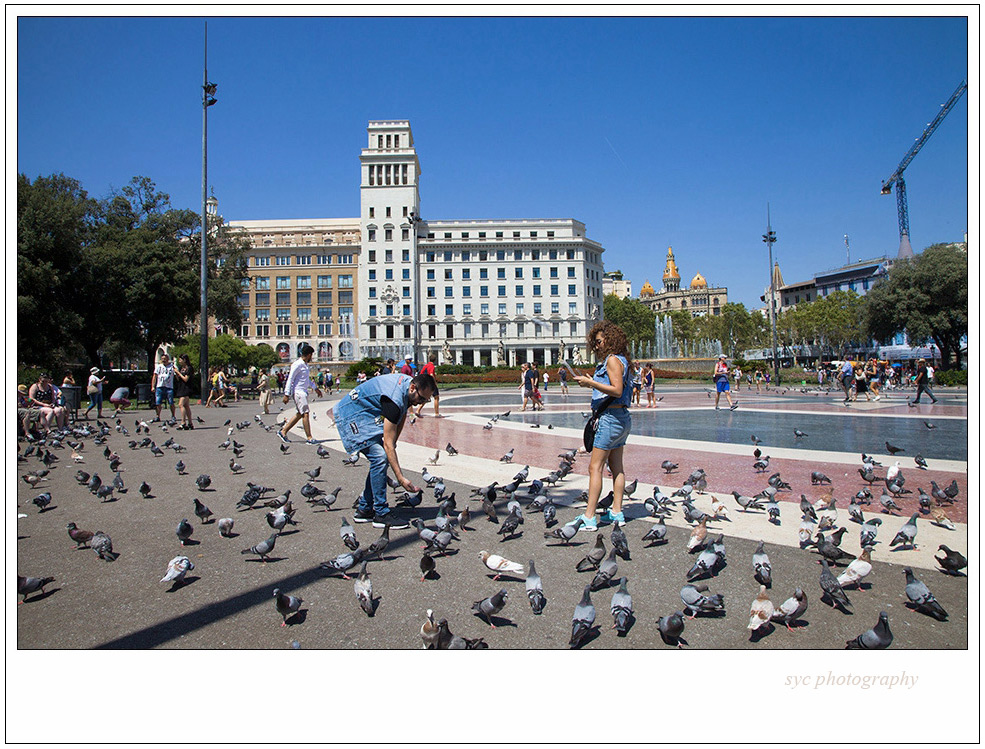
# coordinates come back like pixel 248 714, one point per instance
pixel 208 89
pixel 770 237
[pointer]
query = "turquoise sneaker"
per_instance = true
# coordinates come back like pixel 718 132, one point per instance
pixel 613 517
pixel 588 524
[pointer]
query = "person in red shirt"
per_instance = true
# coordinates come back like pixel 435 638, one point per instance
pixel 429 369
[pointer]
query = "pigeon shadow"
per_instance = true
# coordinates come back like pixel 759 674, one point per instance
pixel 42 595
pixel 629 625
pixel 179 584
pixel 674 642
pixel 904 547
pixel 497 621
pixel 270 560
pixel 432 575
pixel 290 532
pixel 590 636
pixel 762 632
pixel 191 542
pixel 297 617
pixel 507 576
pixel 231 535
pixel 832 603
pixel 710 614
pixel 207 489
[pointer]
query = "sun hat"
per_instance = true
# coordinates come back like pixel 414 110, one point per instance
pixel 94 370
pixel 722 356
pixel 409 356
pixel 22 388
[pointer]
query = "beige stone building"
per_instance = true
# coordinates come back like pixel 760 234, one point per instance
pixel 698 298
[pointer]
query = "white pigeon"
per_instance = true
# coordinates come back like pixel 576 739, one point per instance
pixel 501 565
pixel 721 511
pixel 761 611
pixel 177 568
pixel 893 471
pixel 857 570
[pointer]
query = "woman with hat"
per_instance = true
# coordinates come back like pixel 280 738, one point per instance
pixel 721 383
pixel 95 392
pixel 42 395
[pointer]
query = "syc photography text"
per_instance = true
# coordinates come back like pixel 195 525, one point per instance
pixel 902 680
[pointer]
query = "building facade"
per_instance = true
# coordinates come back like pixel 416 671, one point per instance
pixel 614 283
pixel 698 298
pixel 388 283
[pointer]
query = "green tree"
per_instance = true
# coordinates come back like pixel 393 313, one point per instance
pixel 634 317
pixel 263 357
pixel 684 326
pixel 735 328
pixel 839 319
pixel 927 298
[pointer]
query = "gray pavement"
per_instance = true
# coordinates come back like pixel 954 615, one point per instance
pixel 227 602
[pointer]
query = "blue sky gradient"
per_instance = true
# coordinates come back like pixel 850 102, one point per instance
pixel 652 131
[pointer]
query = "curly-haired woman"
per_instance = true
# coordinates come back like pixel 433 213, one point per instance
pixel 611 378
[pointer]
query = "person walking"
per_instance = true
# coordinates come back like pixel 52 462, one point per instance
pixel 338 383
pixel 95 392
pixel 872 373
pixel 407 367
pixel 562 379
pixel 923 384
pixel 847 378
pixel 162 385
pixel 861 383
pixel 637 385
pixel 184 386
pixel 611 379
pixel 370 421
pixel 296 387
pixel 721 383
pixel 648 381
pixel 428 369
pixel 527 380
pixel 263 385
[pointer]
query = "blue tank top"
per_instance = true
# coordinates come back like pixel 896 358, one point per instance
pixel 602 375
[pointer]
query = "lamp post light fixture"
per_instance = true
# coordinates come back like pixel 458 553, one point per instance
pixel 769 238
pixel 208 99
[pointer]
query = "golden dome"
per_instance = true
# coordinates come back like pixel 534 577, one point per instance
pixel 647 289
pixel 698 282
pixel 671 270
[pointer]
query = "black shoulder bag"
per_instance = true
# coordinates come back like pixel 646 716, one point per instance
pixel 593 422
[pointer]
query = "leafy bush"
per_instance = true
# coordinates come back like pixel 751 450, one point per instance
pixel 952 377
pixel 370 365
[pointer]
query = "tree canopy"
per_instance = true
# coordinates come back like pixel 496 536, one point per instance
pixel 635 318
pixel 926 297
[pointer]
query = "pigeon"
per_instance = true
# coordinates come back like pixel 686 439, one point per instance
pixel 867 536
pixel 777 483
pixel 522 474
pixel 857 570
pixel 104 491
pixel 535 590
pixel 830 551
pixel 442 539
pixel 630 488
pixel 583 619
pixel 721 511
pixel 951 490
pixel 762 570
pixel 313 473
pixel 698 535
pixel 429 478
pixel 184 531
pixel 226 527
pixel 351 460
pixel 490 509
pixel 921 597
pixel 427 565
pixel 488 607
pixel 594 557
pixel 747 503
pixel 28 585
pixel 621 608
pixel 620 543
pixel 378 546
pixel 363 588
pixel 464 518
pixel 921 463
pixel 754 439
pixel 94 483
pixel 669 466
pixel 887 503
pixel 798 434
pixel 508 457
pixel 696 602
pixel 791 609
pixel 550 514
pixel 761 464
pixel 892 449
pixel 410 500
pixel 906 536
pixel 773 510
pixel 282 500
pixel 509 527
pixel 500 565
pixel 671 628
pixel 449 641
pixel 311 492
pixel 118 484
pixel 657 533
pixel 705 564
pixel 761 611
pixel 44 499
pixel 449 448
pixel 868 475
pixel 203 512
pixel 923 501
pixel 831 588
pixel 819 478
pixel 80 537
pixel 877 638
pixel 953 561
pixel 941 519
pixel 424 533
pixel 279 520
pixel 203 482
pixel 235 467
pixel 929 425
pixel 103 546
pixel 348 535
pixel 177 569
pixel 263 548
pixel 345 562
pixel 607 570
pixel 286 605
pixel 566 532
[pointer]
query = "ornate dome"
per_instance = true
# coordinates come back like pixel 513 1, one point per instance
pixel 671 270
pixel 647 289
pixel 698 282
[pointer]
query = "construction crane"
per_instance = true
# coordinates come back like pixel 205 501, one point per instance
pixel 897 177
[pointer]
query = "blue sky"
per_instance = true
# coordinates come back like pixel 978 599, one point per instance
pixel 654 132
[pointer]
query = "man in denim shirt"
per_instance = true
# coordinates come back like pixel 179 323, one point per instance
pixel 370 419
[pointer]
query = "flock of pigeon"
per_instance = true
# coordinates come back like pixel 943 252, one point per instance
pixel 456 523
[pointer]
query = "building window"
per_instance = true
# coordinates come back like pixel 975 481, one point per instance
pixel 325 282
pixel 324 297
pixel 406 310
pixel 372 275
pixel 518 273
pixel 466 255
pixel 467 330
pixel 345 282
pixel 371 256
pixel 405 274
pixel 572 308
pixel 430 274
pixel 484 309
pixel 535 254
pixel 465 235
pixel 325 329
pixel 283 331
pixel 405 292
pixel 303 259
pixel 500 291
pixel 502 308
pixel 483 274
pixel 283 260
pixel 483 256
pixel 555 308
pixel 536 289
pixel 571 272
pixel 263 315
pixel 537 308
pixel 516 235
pixel 303 298
pixel 554 291
pixel 449 292
pixel 449 310
pixel 430 292
pixel 262 283
pixel 536 272
pixel 448 274
pixel 283 314
pixel 466 274
pixel 372 212
pixel 519 308
pixel 325 313
pixel 263 300
pixel 304 313
pixel 304 282
pixel 388 235
pixel 263 331
pixel 466 309
pixel 388 256
pixel 432 310
pixel 483 291
pixel 572 289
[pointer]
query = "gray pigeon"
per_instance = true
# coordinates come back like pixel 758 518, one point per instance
pixel 103 546
pixel 177 569
pixel 762 570
pixel 488 607
pixel 345 562
pixel 535 590
pixel 348 535
pixel 28 585
pixel 509 527
pixel 953 561
pixel 921 597
pixel 907 534
pixel 583 619
pixel 657 532
pixel 263 548
pixel 831 587
pixel 607 570
pixel 565 532
pixel 669 466
pixel 704 565
pixel 867 535
pixel 203 512
pixel 877 638
pixel 225 527
pixel 594 557
pixel 286 605
pixel 620 544
pixel 747 503
pixel 449 641
pixel 791 609
pixel 622 608
pixel 378 546
pixel 819 478
pixel 364 591
pixel 671 628
pixel 184 531
pixel 203 482
pixel 424 533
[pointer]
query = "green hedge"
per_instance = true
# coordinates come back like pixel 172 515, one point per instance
pixel 952 377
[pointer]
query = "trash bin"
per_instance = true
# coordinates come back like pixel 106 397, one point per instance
pixel 143 394
pixel 72 394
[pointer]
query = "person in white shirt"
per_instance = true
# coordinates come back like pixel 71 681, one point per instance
pixel 162 385
pixel 297 386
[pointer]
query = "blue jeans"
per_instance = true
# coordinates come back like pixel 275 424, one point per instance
pixel 375 489
pixel 921 389
pixel 95 401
